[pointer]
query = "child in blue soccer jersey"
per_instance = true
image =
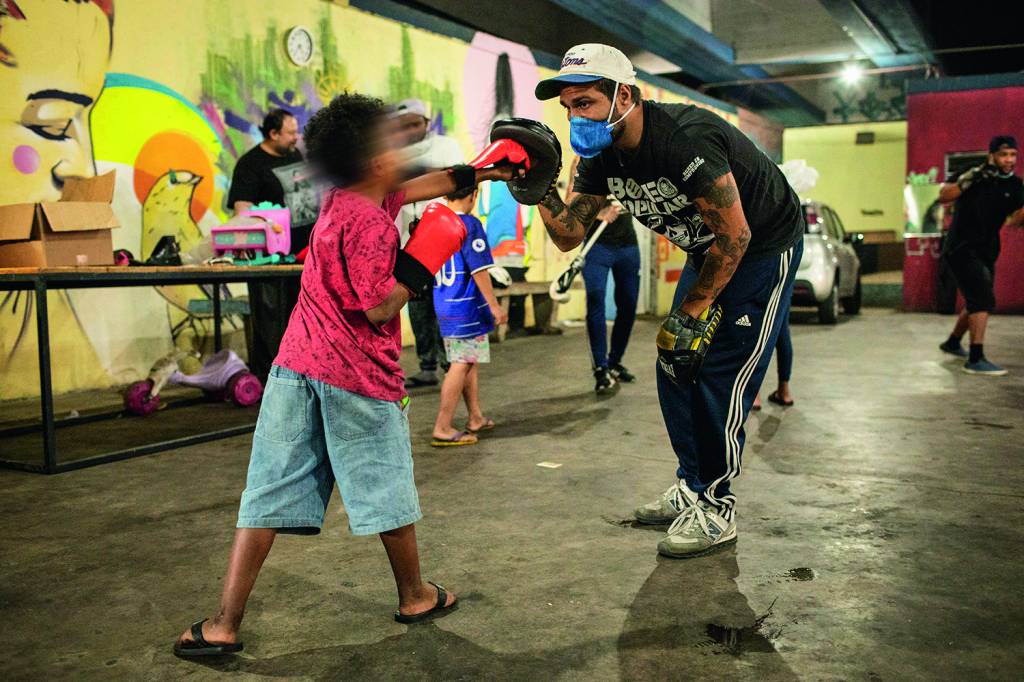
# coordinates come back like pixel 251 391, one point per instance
pixel 467 311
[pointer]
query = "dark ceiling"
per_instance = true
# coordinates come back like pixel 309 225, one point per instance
pixel 753 41
pixel 972 24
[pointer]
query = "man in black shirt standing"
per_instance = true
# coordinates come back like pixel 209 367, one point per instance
pixel 695 179
pixel 254 181
pixel 984 197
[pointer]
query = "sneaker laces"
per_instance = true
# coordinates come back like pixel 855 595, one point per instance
pixel 676 498
pixel 685 521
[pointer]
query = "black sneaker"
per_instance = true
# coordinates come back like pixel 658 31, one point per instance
pixel 622 374
pixel 604 380
pixel 956 349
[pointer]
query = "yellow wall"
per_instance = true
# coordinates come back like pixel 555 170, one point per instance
pixel 171 102
pixel 858 181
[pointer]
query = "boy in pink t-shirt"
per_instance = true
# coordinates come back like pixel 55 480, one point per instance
pixel 335 408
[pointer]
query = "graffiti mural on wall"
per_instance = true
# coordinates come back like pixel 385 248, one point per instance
pixel 53 57
pixel 402 83
pixel 172 117
pixel 248 77
pixel 163 148
pixel 503 75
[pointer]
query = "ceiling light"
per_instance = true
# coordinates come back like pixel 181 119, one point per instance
pixel 852 73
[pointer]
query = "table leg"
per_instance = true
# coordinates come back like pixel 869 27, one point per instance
pixel 543 306
pixel 216 319
pixel 45 379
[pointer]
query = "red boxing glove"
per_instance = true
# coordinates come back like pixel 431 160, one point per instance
pixel 502 151
pixel 438 235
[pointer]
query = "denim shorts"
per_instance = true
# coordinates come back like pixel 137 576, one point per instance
pixel 309 435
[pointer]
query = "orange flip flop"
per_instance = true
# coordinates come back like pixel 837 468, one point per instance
pixel 460 438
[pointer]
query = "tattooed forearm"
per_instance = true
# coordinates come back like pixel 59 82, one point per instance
pixel 722 194
pixel 567 223
pixel 722 213
pixel 719 266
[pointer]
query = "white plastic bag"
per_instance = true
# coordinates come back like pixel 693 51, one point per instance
pixel 802 178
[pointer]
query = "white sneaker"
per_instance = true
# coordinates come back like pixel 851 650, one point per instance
pixel 667 507
pixel 698 530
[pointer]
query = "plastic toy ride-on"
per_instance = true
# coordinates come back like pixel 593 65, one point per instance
pixel 224 376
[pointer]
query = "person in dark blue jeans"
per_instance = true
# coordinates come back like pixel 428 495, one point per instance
pixel 615 251
pixel 695 179
pixel 705 419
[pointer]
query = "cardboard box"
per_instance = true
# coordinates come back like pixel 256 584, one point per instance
pixel 72 231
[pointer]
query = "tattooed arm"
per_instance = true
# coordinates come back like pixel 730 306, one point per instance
pixel 567 221
pixel 723 214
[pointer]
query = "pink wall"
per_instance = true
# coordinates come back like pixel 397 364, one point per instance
pixel 941 122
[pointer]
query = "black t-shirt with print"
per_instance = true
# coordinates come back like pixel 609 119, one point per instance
pixel 254 179
pixel 979 214
pixel 682 151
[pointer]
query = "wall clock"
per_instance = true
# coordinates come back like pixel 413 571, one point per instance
pixel 299 45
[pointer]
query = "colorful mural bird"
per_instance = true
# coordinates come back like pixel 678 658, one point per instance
pixel 166 211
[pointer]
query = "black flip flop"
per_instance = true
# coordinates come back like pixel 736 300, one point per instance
pixel 774 397
pixel 439 609
pixel 199 647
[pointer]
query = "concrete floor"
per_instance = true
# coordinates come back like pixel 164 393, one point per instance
pixel 880 529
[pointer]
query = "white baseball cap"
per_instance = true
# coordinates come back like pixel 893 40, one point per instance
pixel 410 106
pixel 586 63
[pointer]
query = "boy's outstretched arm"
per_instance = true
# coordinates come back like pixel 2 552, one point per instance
pixel 500 161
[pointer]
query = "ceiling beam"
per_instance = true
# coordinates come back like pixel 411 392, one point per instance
pixel 674 37
pixel 879 28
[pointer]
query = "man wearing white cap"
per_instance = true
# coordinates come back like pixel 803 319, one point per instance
pixel 425 151
pixel 694 178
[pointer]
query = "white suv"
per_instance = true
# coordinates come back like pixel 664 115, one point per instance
pixel 829 273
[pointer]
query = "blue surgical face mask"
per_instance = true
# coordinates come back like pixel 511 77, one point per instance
pixel 588 137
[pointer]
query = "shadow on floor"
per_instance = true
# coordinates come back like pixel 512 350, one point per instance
pixel 690 621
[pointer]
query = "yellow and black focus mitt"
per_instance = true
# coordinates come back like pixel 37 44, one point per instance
pixel 684 341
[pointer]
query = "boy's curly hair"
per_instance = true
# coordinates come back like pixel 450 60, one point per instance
pixel 340 138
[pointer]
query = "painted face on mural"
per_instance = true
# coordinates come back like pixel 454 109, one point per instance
pixel 55 59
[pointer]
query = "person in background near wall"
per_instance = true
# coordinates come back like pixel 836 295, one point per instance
pixel 254 182
pixel 615 251
pixel 984 196
pixel 425 151
pixel 784 367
